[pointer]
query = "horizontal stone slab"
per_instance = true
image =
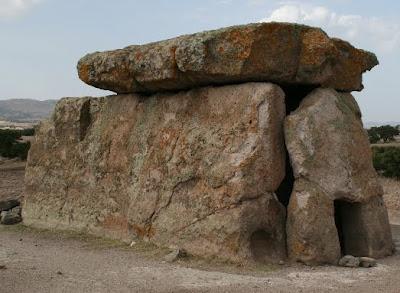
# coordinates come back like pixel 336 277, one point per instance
pixel 282 53
pixel 196 169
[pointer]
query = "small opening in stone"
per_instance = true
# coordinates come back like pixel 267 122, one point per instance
pixel 84 120
pixel 349 227
pixel 338 222
pixel 262 246
pixel 294 94
pixel 285 188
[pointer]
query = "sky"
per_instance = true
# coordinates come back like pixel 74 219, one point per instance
pixel 42 40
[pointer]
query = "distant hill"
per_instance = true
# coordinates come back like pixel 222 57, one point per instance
pixel 369 124
pixel 26 110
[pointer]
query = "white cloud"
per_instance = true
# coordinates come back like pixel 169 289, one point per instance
pixel 367 32
pixel 13 8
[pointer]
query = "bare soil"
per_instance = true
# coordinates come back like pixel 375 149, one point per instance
pixel 11 179
pixel 391 188
pixel 49 261
pixel 37 261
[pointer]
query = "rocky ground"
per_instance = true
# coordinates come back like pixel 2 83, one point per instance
pixel 40 261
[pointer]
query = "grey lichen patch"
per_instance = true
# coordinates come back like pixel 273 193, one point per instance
pixel 347 105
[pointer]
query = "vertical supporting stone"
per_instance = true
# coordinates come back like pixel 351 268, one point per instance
pixel 332 164
pixel 311 232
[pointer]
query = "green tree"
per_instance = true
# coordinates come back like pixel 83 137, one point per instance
pixel 387 132
pixel 10 147
pixel 373 135
pixel 28 132
pixel 387 161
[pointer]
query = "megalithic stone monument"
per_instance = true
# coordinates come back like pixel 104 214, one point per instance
pixel 242 143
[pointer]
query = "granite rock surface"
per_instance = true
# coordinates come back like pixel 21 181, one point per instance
pixel 195 169
pixel 282 53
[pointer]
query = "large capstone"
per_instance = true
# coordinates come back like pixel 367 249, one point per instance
pixel 282 53
pixel 336 205
pixel 195 169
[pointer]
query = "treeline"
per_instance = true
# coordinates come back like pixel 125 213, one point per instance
pixel 385 133
pixel 10 144
pixel 387 161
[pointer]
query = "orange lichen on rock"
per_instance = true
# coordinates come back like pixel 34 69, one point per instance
pixel 275 52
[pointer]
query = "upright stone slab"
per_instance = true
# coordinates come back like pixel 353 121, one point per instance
pixel 312 237
pixel 331 158
pixel 282 53
pixel 196 169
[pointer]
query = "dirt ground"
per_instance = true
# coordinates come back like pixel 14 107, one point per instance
pixel 391 188
pixel 11 179
pixel 49 261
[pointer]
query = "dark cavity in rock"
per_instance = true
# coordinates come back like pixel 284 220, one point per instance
pixel 347 218
pixel 294 94
pixel 84 120
pixel 264 247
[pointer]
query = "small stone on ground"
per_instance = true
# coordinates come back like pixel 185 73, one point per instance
pixel 367 262
pixel 175 255
pixel 11 217
pixel 8 204
pixel 349 261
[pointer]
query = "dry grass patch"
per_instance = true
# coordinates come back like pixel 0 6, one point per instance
pixel 391 189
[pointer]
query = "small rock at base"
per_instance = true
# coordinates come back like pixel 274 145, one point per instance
pixel 367 262
pixel 349 261
pixel 11 217
pixel 175 255
pixel 8 204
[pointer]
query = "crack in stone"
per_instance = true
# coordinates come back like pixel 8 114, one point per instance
pixel 153 217
pixel 231 206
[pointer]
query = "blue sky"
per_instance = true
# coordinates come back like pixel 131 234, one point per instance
pixel 42 40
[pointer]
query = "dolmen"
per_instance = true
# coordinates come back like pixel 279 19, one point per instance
pixel 242 144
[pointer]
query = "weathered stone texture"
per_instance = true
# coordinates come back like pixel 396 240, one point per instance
pixel 335 180
pixel 328 146
pixel 282 53
pixel 194 169
pixel 198 169
pixel 312 236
